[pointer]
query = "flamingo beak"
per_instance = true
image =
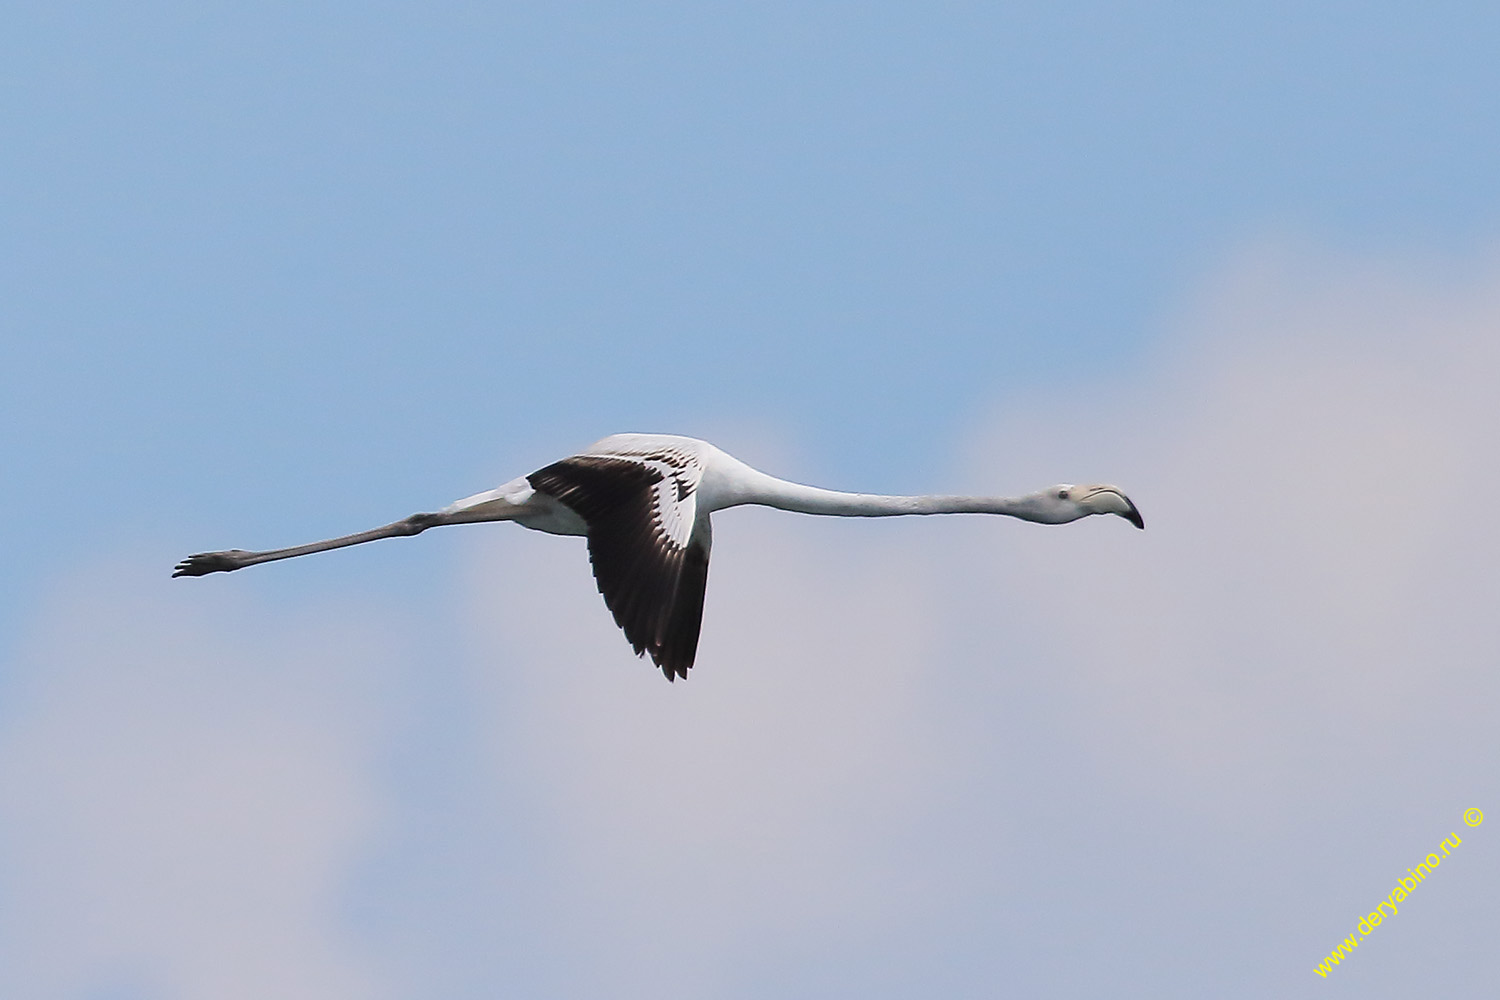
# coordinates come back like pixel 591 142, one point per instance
pixel 1109 500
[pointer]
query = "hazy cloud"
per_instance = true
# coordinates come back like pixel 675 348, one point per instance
pixel 955 757
pixel 183 787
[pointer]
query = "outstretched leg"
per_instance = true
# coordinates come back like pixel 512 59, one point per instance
pixel 232 559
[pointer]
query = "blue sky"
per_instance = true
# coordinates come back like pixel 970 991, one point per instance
pixel 275 272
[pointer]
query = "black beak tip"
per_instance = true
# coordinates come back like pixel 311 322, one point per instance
pixel 1134 517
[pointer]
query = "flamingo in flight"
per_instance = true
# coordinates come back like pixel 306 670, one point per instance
pixel 644 500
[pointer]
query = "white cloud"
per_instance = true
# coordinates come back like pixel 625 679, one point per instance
pixel 1314 463
pixel 181 790
pixel 929 757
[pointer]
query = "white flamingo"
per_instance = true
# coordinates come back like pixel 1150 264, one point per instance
pixel 644 500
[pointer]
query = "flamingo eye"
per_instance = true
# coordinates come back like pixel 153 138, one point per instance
pixel 1062 494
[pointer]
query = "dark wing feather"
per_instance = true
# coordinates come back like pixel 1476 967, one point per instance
pixel 651 583
pixel 681 640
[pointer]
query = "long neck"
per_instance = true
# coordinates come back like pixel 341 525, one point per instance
pixel 772 492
